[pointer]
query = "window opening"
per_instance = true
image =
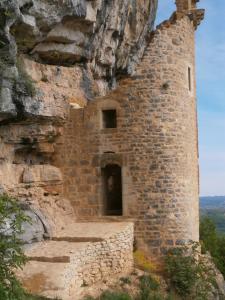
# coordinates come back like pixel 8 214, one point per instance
pixel 109 118
pixel 189 79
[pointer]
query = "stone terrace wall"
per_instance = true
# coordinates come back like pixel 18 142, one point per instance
pixel 59 269
pixel 101 260
pixel 155 143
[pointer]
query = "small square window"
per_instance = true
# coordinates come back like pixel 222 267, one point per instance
pixel 109 118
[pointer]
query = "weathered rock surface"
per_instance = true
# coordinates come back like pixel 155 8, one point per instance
pixel 37 229
pixel 53 55
pixel 102 38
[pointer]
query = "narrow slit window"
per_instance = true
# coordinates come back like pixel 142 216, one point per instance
pixel 109 118
pixel 189 79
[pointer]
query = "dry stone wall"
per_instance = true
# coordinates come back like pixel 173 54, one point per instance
pixel 99 261
pixel 155 143
pixel 60 269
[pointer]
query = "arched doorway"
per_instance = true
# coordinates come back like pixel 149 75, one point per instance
pixel 112 190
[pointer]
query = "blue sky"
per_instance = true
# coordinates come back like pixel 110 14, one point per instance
pixel 210 61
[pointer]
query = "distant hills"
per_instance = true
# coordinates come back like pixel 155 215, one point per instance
pixel 214 207
pixel 212 202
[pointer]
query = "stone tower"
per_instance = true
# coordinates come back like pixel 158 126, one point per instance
pixel 134 153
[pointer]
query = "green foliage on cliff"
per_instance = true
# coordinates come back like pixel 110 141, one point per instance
pixel 214 208
pixel 188 274
pixel 217 215
pixel 11 254
pixel 213 242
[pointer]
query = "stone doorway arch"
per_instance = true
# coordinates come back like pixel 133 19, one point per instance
pixel 112 190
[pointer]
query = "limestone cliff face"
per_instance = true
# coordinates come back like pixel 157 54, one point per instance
pixel 54 54
pixel 100 39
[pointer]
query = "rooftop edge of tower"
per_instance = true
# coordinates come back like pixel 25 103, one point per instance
pixel 189 8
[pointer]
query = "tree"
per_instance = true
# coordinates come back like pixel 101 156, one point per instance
pixel 208 235
pixel 11 253
pixel 213 242
pixel 220 258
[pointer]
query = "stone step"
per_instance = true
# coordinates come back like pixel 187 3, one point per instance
pixel 46 278
pixel 106 219
pixel 80 254
pixel 77 239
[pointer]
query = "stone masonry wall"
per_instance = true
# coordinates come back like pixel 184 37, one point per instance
pixel 155 143
pixel 59 269
pixel 102 260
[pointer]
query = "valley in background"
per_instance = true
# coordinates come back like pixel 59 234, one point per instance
pixel 214 208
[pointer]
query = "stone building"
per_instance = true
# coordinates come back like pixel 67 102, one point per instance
pixel 134 153
pixel 97 166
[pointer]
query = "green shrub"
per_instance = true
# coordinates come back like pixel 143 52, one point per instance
pixel 181 270
pixel 150 296
pixel 108 295
pixel 114 296
pixel 125 280
pixel 11 254
pixel 188 275
pixel 149 288
pixel 148 281
pixel 213 242
pixel 220 256
pixel 208 235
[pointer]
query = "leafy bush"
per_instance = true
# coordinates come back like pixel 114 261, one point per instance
pixel 213 242
pixel 208 235
pixel 11 254
pixel 148 281
pixel 108 295
pixel 220 256
pixel 115 296
pixel 125 280
pixel 149 288
pixel 217 215
pixel 188 275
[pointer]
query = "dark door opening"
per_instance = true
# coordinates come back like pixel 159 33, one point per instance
pixel 112 190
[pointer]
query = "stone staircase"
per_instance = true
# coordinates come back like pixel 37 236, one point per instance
pixel 78 256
